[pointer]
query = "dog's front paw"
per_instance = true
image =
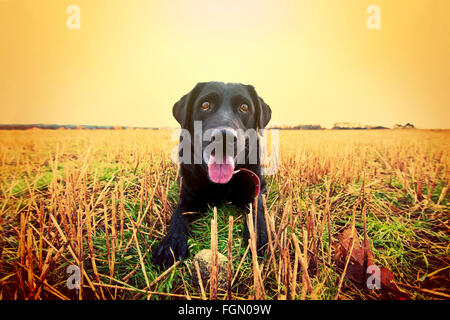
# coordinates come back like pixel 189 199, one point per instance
pixel 261 241
pixel 172 248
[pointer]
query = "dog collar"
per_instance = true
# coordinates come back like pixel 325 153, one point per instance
pixel 255 179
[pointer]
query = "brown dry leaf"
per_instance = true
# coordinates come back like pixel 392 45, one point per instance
pixel 361 258
pixel 386 283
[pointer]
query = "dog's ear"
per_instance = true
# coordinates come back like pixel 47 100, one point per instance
pixel 263 111
pixel 183 108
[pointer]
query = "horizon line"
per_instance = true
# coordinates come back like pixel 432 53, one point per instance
pixel 274 126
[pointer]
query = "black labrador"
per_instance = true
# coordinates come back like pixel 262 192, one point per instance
pixel 225 112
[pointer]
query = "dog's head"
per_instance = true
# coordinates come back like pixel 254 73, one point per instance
pixel 228 117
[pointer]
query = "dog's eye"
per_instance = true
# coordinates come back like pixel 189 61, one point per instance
pixel 244 107
pixel 205 105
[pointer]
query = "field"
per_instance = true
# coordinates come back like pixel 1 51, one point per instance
pixel 102 200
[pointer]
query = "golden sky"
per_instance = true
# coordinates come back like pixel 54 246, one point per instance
pixel 312 61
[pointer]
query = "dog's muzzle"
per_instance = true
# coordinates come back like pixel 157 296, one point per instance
pixel 221 159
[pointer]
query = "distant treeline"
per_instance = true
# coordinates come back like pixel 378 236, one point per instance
pixel 342 126
pixel 355 126
pixel 64 126
pixel 299 127
pixel 358 126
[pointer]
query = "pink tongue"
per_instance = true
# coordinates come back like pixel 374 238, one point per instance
pixel 220 172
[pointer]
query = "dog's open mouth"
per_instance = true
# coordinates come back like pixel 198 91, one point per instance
pixel 220 170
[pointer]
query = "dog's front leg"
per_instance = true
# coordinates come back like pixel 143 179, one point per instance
pixel 174 245
pixel 261 229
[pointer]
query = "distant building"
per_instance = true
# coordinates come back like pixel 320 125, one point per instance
pixel 406 126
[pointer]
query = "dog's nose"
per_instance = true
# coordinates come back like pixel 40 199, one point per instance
pixel 228 138
pixel 228 134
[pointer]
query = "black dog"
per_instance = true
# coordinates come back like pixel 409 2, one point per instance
pixel 225 110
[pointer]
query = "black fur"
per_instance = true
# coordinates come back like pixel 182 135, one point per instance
pixel 197 189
